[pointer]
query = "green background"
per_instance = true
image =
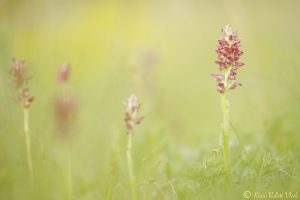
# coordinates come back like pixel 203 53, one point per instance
pixel 109 45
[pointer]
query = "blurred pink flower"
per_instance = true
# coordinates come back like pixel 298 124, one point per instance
pixel 65 102
pixel 20 81
pixel 63 73
pixel 131 118
pixel 64 107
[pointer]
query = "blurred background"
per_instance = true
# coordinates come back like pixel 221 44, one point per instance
pixel 162 51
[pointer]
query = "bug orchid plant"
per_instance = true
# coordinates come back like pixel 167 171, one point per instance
pixel 131 119
pixel 228 55
pixel 20 80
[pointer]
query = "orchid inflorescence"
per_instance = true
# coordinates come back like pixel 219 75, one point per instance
pixel 20 81
pixel 131 117
pixel 229 53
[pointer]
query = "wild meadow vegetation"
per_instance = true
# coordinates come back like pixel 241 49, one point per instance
pixel 117 100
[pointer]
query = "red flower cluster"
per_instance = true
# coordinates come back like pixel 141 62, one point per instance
pixel 229 53
pixel 20 81
pixel 131 118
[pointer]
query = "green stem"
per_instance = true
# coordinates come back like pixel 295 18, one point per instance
pixel 110 186
pixel 108 195
pixel 130 168
pixel 70 182
pixel 225 132
pixel 28 143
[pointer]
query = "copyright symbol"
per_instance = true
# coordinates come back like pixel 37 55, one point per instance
pixel 247 194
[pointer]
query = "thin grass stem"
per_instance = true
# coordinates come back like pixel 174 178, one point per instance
pixel 69 160
pixel 130 168
pixel 28 144
pixel 225 132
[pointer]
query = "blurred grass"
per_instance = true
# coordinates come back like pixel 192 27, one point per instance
pixel 105 42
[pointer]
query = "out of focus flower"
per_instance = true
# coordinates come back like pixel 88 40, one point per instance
pixel 63 73
pixel 65 104
pixel 64 107
pixel 228 54
pixel 26 98
pixel 144 71
pixel 148 64
pixel 131 117
pixel 20 81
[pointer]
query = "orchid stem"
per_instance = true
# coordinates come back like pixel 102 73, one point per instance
pixel 130 168
pixel 28 143
pixel 70 181
pixel 225 132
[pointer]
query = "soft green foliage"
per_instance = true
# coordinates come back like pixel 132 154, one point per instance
pixel 254 170
pixel 208 174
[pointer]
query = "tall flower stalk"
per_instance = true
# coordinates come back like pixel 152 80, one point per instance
pixel 228 54
pixel 20 79
pixel 131 119
pixel 64 108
